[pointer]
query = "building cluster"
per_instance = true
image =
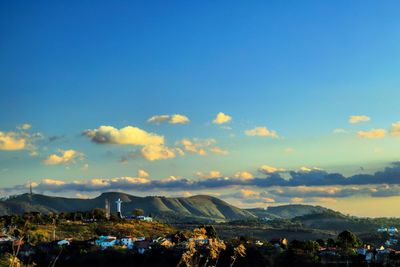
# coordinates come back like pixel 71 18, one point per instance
pixel 393 235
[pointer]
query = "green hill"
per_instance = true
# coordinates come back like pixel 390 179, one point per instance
pixel 295 210
pixel 198 208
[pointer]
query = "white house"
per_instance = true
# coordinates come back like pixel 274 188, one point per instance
pixel 144 218
pixel 63 242
pixel 382 230
pixel 392 230
pixel 106 241
pixel 127 241
pixel 259 243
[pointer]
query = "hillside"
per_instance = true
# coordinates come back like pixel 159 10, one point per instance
pixel 291 211
pixel 199 208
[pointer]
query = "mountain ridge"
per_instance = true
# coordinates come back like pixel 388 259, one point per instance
pixel 198 207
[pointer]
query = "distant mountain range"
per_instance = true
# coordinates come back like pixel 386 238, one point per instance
pixel 199 209
pixel 196 208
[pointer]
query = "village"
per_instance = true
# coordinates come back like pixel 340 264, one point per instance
pixel 110 236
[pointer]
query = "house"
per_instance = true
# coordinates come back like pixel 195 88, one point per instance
pixel 64 242
pixel 144 218
pixel 259 243
pixel 330 252
pixel 382 230
pixel 140 238
pixel 201 240
pixel 279 242
pixel 127 241
pixel 106 241
pixel 392 230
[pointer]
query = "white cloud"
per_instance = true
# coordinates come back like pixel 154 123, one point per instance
pixel 253 197
pixel 65 157
pixel 222 118
pixel 128 135
pixel 179 119
pixel 248 193
pixel 25 126
pixel 54 182
pixel 12 141
pixel 172 119
pixel 219 151
pixel 297 200
pixel 358 118
pixel 158 118
pixel 372 134
pixel 308 169
pixel 261 131
pixel 209 175
pixel 245 175
pixel 266 169
pixel 199 146
pixel 143 174
pixel 395 130
pixel 157 152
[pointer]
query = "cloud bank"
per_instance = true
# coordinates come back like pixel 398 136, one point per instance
pixel 214 180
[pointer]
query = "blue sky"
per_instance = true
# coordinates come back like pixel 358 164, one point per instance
pixel 298 68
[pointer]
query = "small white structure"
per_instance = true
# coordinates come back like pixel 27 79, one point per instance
pixel 392 230
pixel 144 218
pixel 382 230
pixel 259 243
pixel 140 238
pixel 127 241
pixel 64 242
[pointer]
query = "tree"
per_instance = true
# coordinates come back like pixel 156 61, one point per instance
pixel 347 240
pixel 210 231
pixel 320 242
pixel 98 214
pixel 330 242
pixel 311 246
pixel 138 212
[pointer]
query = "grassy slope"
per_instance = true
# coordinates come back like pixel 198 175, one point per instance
pixel 196 207
pixel 85 231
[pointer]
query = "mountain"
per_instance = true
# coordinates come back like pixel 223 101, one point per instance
pixel 196 208
pixel 288 211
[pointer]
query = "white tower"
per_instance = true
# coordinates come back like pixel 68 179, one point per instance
pixel 119 202
pixel 107 209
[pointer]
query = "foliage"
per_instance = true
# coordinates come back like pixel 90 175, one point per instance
pixel 138 212
pixel 347 240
